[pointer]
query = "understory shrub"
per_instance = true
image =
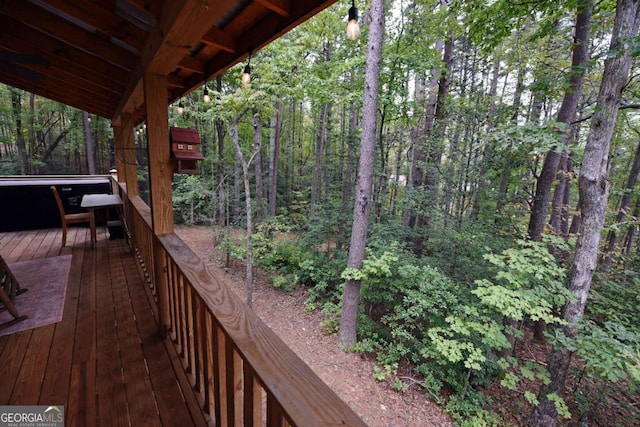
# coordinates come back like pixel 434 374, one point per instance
pixel 451 333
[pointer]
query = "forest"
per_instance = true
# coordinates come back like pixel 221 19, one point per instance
pixel 456 186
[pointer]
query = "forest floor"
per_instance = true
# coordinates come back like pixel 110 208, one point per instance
pixel 350 375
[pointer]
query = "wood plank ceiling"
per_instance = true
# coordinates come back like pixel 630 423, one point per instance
pixel 92 54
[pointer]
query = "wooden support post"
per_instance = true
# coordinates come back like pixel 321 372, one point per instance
pixel 159 150
pixel 160 177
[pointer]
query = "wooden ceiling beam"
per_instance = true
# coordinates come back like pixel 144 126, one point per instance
pixel 54 90
pixel 61 76
pixel 191 64
pixel 175 82
pixel 154 8
pixel 216 37
pixel 254 39
pixel 181 26
pixel 281 7
pixel 70 34
pixel 19 37
pixel 103 20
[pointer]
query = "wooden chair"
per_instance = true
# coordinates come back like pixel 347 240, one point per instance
pixel 9 289
pixel 76 218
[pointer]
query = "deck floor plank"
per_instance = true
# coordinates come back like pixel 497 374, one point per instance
pixel 32 370
pixel 56 383
pixel 112 401
pixel 134 367
pixel 172 412
pixel 82 396
pixel 105 361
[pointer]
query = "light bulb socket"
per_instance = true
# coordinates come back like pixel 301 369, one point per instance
pixel 353 13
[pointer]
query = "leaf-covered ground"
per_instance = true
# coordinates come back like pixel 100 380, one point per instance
pixel 348 374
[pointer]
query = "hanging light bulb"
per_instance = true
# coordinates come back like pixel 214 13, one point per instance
pixel 180 108
pixel 207 98
pixel 246 74
pixel 353 29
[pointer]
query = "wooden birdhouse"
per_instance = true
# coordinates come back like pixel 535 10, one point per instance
pixel 184 149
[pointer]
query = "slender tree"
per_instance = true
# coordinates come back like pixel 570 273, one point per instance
pixel 625 205
pixel 566 116
pixel 244 163
pixel 257 144
pixel 16 104
pixel 90 144
pixel 351 296
pixel 593 185
pixel 274 155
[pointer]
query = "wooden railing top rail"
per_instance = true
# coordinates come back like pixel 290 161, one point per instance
pixel 305 398
pixel 143 209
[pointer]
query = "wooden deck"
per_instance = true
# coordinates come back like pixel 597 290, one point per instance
pixel 105 361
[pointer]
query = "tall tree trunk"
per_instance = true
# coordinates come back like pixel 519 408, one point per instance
pixel 434 157
pixel 33 168
pixel 381 186
pixel 347 183
pixel 558 207
pixel 237 169
pixel 91 148
pixel 594 193
pixel 351 296
pixel 487 155
pixel 233 134
pixel 316 185
pixel 633 230
pixel 625 203
pixel 257 144
pixel 223 197
pixel 16 104
pixel 566 115
pixel 426 97
pixel 274 153
pixel 416 168
pixel 506 167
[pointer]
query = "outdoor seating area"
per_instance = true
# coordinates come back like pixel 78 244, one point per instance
pixel 140 328
pixel 106 357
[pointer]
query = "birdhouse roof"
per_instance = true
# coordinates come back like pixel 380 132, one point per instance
pixel 184 135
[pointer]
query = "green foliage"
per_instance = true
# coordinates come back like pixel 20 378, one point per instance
pixel 609 351
pixel 560 404
pixel 191 200
pixel 459 253
pixel 451 333
pixel 285 283
pixel 529 284
pixel 321 276
pixel 467 410
pixel 8 167
pixel 616 297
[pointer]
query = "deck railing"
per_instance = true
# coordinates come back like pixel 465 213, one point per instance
pixel 243 373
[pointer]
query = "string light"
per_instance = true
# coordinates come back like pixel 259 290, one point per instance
pixel 353 29
pixel 246 74
pixel 206 97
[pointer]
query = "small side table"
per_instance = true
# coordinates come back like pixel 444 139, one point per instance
pixel 103 201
